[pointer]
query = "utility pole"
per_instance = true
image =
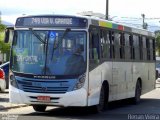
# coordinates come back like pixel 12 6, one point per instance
pixel 144 24
pixel 107 8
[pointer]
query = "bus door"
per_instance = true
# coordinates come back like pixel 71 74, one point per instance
pixel 94 66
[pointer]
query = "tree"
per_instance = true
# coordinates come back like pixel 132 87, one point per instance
pixel 2 27
pixel 4 47
pixel 158 42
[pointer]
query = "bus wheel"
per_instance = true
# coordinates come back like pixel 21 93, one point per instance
pixel 136 99
pixel 39 108
pixel 101 106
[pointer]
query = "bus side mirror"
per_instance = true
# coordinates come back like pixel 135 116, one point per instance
pixel 8 34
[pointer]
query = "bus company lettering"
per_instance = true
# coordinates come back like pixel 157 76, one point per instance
pixel 44 77
pixel 56 21
pixel 27 59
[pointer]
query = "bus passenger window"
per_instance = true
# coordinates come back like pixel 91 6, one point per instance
pixel 151 49
pixel 104 44
pixel 148 48
pixel 117 45
pixel 140 48
pixel 127 46
pixel 136 47
pixel 131 47
pixel 144 48
pixel 154 51
pixel 122 44
pixel 112 47
pixel 94 46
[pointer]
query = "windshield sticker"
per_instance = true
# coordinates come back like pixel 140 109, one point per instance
pixel 21 51
pixel 52 35
pixel 27 59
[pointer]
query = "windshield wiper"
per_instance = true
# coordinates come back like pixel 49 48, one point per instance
pixel 37 36
pixel 60 41
pixel 45 69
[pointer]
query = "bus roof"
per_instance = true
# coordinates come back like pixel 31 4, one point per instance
pixel 82 23
pixel 121 27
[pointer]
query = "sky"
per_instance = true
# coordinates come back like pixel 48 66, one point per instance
pixel 125 10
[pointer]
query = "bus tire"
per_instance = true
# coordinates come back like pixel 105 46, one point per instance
pixel 138 89
pixel 39 108
pixel 101 106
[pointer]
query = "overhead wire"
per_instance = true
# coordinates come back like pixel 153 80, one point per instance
pixel 124 20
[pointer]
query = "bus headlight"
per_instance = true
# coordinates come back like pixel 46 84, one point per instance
pixel 13 80
pixel 80 82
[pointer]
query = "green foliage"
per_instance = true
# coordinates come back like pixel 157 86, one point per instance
pixel 4 47
pixel 158 43
pixel 2 27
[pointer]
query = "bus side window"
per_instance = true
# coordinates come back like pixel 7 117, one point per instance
pixel 136 46
pixel 148 48
pixel 151 49
pixel 144 48
pixel 112 47
pixel 94 45
pixel 127 47
pixel 122 44
pixel 117 45
pixel 131 47
pixel 104 44
pixel 154 49
pixel 140 48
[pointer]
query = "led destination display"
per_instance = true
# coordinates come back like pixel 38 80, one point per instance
pixel 51 21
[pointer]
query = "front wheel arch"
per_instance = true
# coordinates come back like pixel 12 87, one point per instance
pixel 103 104
pixel 106 87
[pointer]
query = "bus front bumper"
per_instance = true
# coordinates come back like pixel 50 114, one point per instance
pixel 73 98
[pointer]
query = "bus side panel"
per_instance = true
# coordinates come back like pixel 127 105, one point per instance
pixel 94 86
pixel 108 76
pixel 139 70
pixel 148 83
pixel 146 72
pixel 125 81
pixel 119 79
pixel 96 77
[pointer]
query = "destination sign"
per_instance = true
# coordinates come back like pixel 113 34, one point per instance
pixel 51 21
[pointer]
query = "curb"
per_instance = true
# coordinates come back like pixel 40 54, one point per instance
pixel 12 107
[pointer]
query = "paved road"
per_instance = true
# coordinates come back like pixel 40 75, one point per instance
pixel 148 109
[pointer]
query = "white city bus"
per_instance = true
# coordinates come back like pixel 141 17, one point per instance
pixel 61 60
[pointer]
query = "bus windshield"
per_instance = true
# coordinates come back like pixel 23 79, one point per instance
pixel 49 52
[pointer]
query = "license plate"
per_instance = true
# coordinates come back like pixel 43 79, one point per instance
pixel 44 98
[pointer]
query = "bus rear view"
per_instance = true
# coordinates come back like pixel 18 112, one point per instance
pixel 48 61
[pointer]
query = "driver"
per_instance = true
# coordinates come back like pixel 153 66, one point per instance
pixel 75 63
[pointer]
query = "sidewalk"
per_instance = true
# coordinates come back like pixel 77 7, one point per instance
pixel 4 102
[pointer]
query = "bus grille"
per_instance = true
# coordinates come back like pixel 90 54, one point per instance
pixel 50 87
